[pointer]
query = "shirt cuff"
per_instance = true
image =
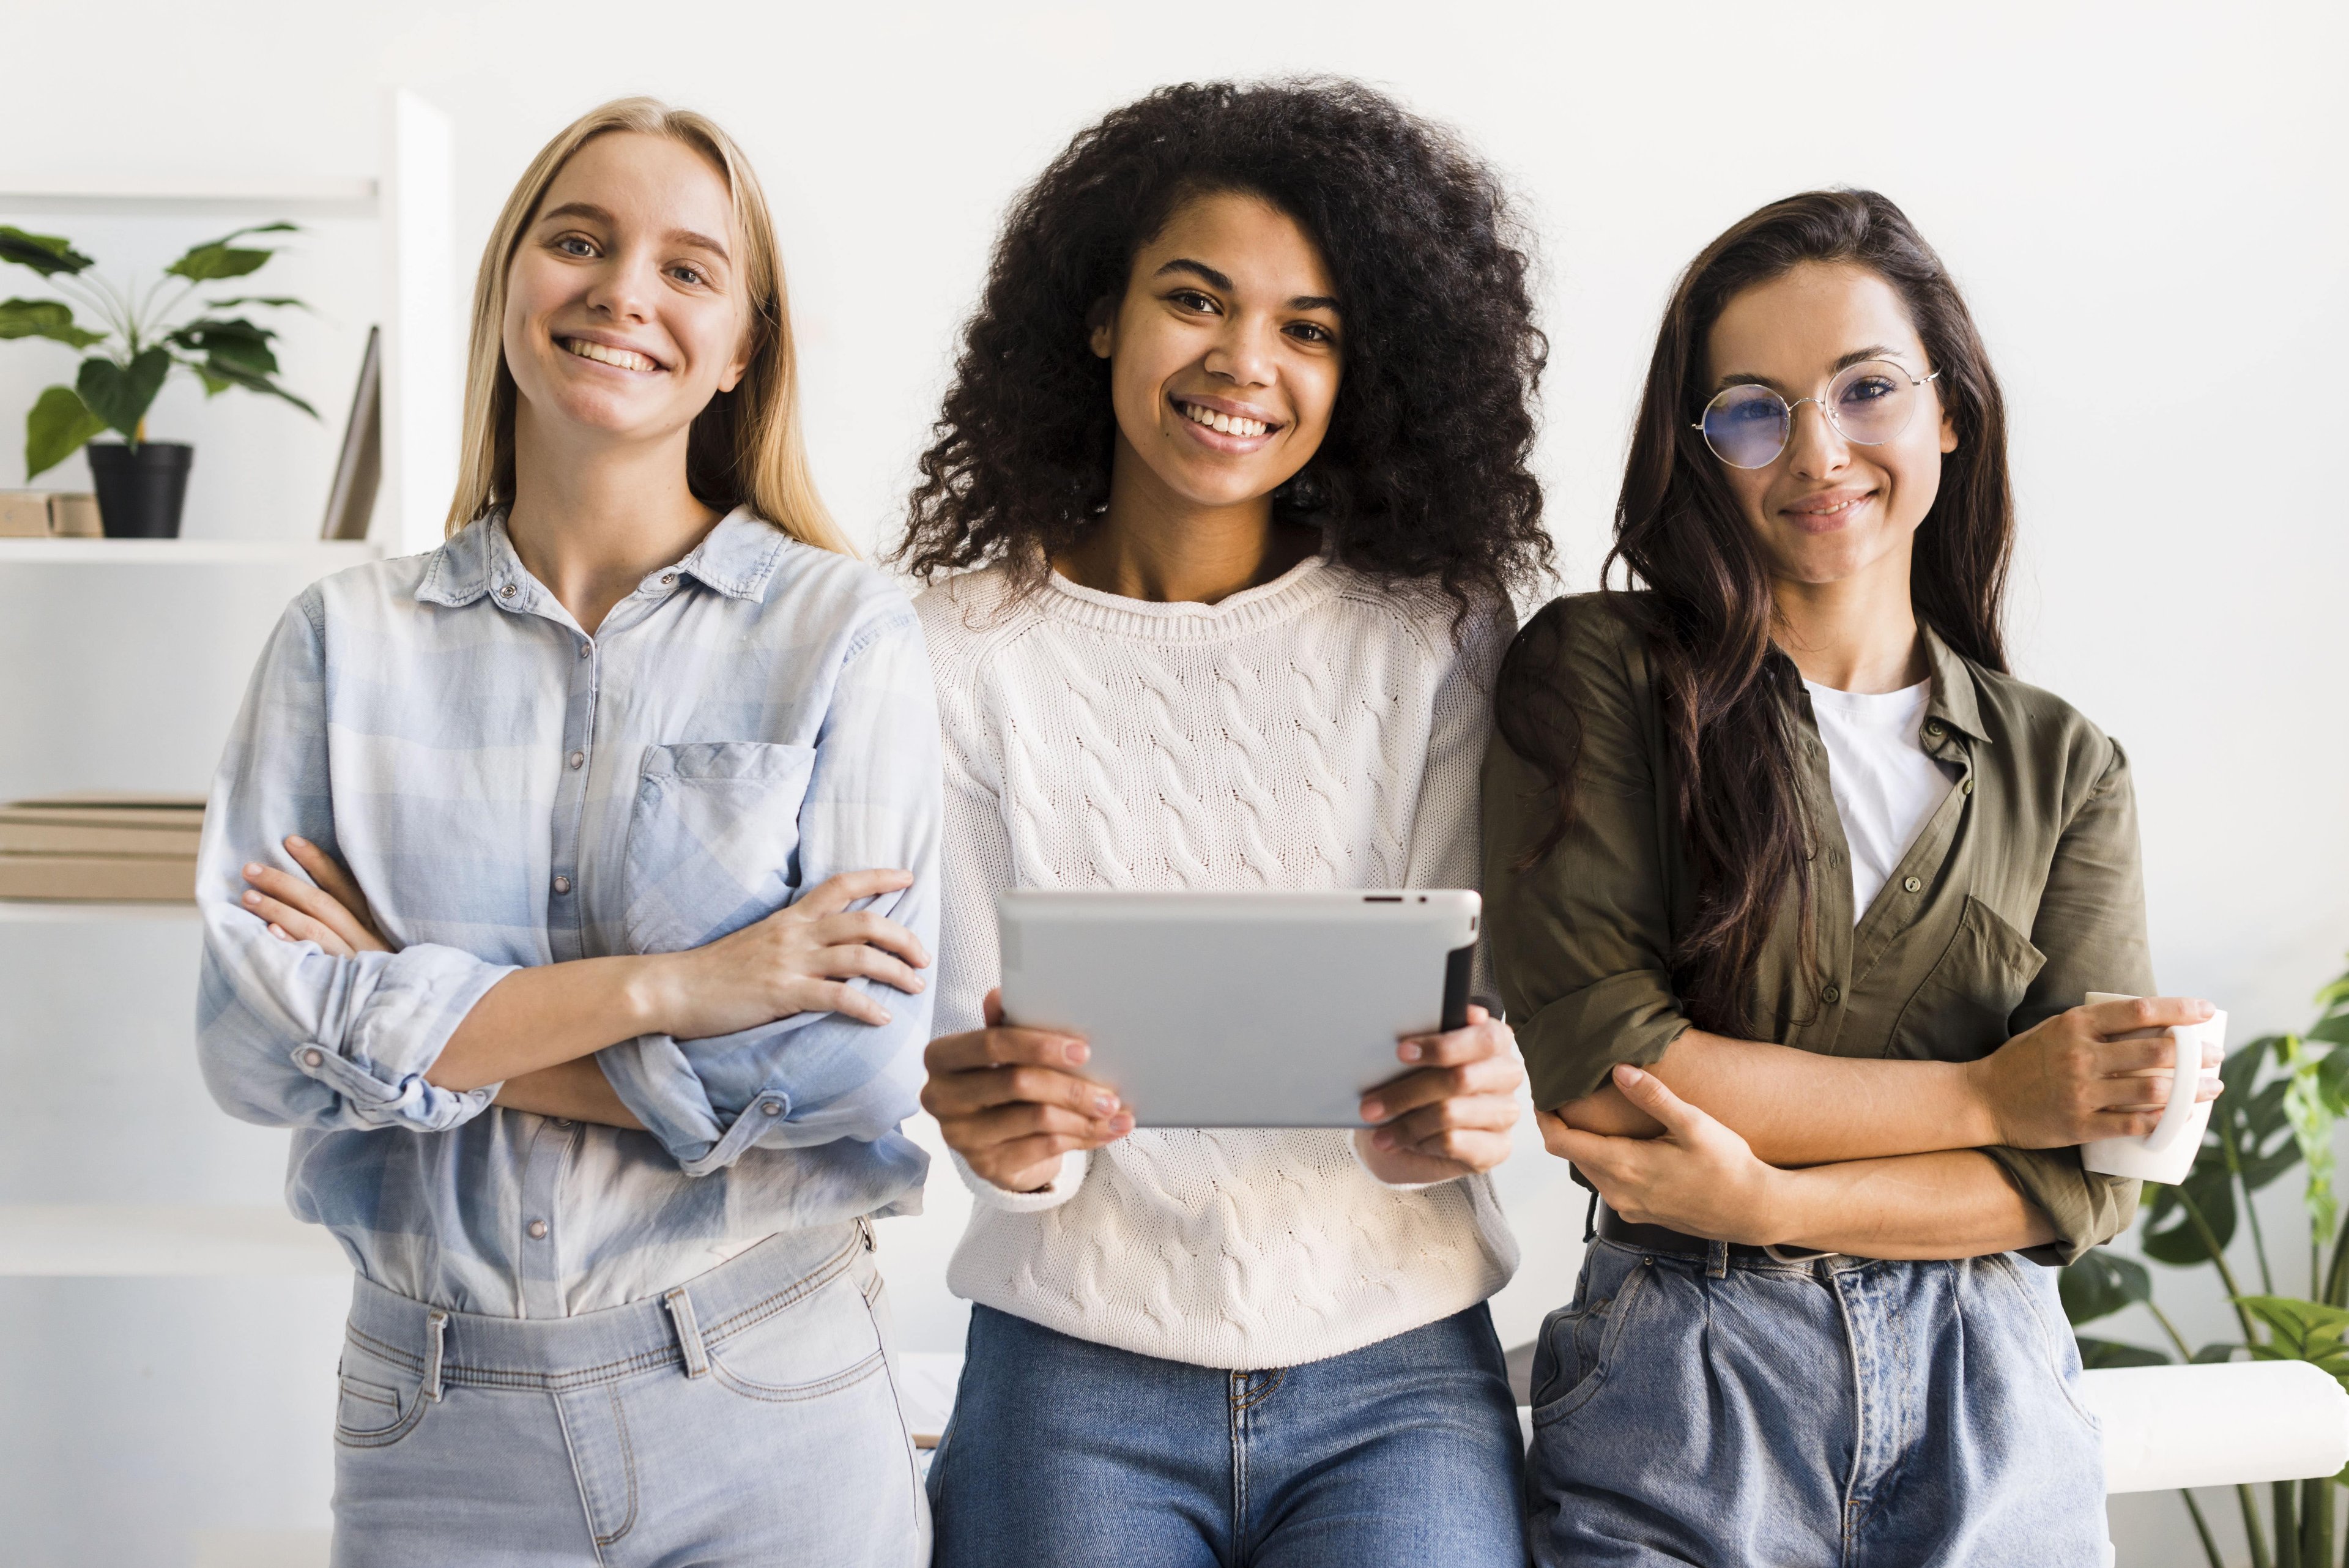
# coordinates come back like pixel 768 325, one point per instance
pixel 415 1002
pixel 1063 1187
pixel 1573 1044
pixel 2086 1207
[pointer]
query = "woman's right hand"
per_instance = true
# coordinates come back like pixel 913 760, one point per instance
pixel 2094 1071
pixel 798 959
pixel 1007 1103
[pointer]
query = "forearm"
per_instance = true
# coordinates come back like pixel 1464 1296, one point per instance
pixel 576 1090
pixel 1800 1108
pixel 1947 1205
pixel 545 1016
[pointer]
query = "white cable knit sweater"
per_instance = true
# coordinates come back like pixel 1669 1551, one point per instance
pixel 1321 730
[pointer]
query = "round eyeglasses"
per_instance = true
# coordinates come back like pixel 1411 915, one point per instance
pixel 1869 403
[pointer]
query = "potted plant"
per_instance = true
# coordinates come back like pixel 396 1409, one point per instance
pixel 148 332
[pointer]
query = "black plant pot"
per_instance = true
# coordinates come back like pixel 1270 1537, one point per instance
pixel 140 491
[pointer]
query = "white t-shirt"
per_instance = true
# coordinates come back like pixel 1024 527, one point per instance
pixel 1885 786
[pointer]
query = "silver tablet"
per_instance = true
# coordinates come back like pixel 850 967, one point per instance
pixel 1228 1009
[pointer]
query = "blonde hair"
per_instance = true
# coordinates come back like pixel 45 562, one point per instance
pixel 744 449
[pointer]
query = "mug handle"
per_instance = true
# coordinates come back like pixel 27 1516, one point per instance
pixel 2185 1083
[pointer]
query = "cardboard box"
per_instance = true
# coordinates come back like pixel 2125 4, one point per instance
pixel 23 514
pixel 101 848
pixel 49 515
pixel 74 516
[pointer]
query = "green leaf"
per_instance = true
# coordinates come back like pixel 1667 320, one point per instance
pixel 237 340
pixel 2213 1354
pixel 58 427
pixel 121 394
pixel 217 259
pixel 2301 1331
pixel 47 255
pixel 2170 1234
pixel 237 375
pixel 2333 1031
pixel 278 302
pixel 2100 1285
pixel 2095 1354
pixel 213 384
pixel 44 318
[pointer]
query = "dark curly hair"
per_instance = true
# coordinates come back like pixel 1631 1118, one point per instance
pixel 1422 473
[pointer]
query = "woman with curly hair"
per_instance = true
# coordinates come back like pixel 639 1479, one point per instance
pixel 1797 894
pixel 1234 473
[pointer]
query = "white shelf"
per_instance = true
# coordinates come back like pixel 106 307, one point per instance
pixel 90 1241
pixel 44 193
pixel 322 554
pixel 46 912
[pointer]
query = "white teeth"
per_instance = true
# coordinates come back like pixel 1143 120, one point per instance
pixel 1228 424
pixel 626 359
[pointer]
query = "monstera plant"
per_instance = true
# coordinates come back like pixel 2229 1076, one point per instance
pixel 133 337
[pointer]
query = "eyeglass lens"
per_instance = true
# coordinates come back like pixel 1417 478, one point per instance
pixel 1870 403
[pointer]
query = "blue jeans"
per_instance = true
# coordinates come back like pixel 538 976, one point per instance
pixel 748 1417
pixel 1844 1413
pixel 1066 1454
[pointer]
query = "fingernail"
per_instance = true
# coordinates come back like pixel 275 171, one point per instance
pixel 253 867
pixel 1627 1073
pixel 1105 1103
pixel 1410 1050
pixel 1121 1124
pixel 298 842
pixel 884 1015
pixel 1373 1109
pixel 253 897
pixel 1079 1050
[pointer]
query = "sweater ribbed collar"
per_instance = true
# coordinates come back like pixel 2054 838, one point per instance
pixel 1309 583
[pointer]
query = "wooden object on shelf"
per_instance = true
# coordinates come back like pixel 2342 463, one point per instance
pixel 48 514
pixel 101 847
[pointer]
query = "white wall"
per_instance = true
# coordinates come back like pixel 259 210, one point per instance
pixel 2144 203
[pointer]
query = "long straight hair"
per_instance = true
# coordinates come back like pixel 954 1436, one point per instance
pixel 745 448
pixel 1727 693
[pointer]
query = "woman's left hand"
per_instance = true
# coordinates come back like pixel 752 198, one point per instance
pixel 1698 1176
pixel 333 913
pixel 1452 1116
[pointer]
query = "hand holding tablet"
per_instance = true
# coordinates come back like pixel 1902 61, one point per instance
pixel 1324 1009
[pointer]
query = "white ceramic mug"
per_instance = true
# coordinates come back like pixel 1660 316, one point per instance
pixel 2167 1152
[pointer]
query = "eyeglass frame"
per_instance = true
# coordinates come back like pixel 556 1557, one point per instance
pixel 1828 413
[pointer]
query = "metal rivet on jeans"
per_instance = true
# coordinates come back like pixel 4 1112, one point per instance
pixel 771 1107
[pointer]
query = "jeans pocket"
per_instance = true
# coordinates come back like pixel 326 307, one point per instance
pixel 822 1342
pixel 713 840
pixel 1577 1342
pixel 2055 1350
pixel 380 1398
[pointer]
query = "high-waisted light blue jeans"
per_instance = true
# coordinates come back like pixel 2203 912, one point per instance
pixel 748 1417
pixel 1843 1413
pixel 1066 1454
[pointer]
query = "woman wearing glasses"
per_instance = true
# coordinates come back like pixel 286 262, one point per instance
pixel 1795 895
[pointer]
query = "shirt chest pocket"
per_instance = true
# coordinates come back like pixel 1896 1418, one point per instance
pixel 1961 1011
pixel 713 840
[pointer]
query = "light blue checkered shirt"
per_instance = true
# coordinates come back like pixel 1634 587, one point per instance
pixel 510 791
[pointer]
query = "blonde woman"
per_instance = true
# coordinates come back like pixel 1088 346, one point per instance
pixel 599 1078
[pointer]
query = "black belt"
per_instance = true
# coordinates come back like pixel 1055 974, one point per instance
pixel 1613 1227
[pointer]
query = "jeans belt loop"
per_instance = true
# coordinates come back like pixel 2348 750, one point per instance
pixel 436 1336
pixel 689 1333
pixel 1716 1259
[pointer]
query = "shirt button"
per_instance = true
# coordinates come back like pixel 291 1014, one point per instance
pixel 1967 787
pixel 314 1058
pixel 1934 728
pixel 585 648
pixel 538 1229
pixel 771 1107
pixel 1832 995
pixel 1911 885
pixel 578 761
pixel 563 884
pixel 668 579
pixel 507 592
pixel 564 1122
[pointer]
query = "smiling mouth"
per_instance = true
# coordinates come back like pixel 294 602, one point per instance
pixel 1834 513
pixel 605 354
pixel 1223 424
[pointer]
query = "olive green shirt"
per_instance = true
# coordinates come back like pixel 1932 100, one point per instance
pixel 2021 894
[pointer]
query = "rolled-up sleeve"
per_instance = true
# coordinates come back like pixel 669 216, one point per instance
pixel 872 802
pixel 288 1035
pixel 2091 924
pixel 1578 938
